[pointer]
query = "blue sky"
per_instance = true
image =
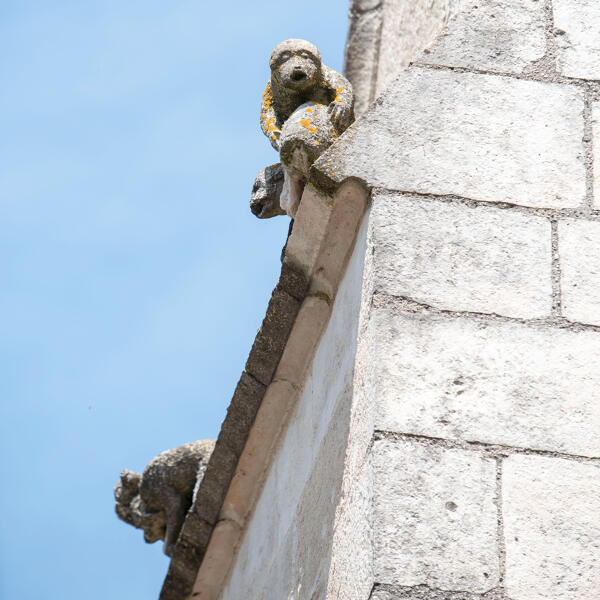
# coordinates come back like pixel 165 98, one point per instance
pixel 133 275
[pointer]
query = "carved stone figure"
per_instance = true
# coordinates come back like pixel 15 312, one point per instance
pixel 266 192
pixel 306 106
pixel 158 500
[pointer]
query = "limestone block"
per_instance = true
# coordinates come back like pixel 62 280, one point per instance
pixel 498 35
pixel 408 28
pixel 489 381
pixel 551 513
pixel 395 592
pixel 483 137
pixel 596 146
pixel 576 29
pixel 454 257
pixel 579 249
pixel 435 520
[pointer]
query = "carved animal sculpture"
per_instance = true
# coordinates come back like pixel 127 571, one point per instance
pixel 158 500
pixel 306 106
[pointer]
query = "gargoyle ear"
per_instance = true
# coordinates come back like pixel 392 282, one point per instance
pixel 127 488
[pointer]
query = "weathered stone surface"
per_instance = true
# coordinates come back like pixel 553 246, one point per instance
pixel 304 337
pixel 596 146
pixel 408 28
pixel 455 257
pixel 272 336
pixel 209 582
pixel 288 541
pixel 551 511
pixel 266 190
pixel 435 520
pixel 157 501
pixel 488 381
pixel 292 280
pixel 349 204
pixel 495 35
pixel 579 250
pixel 215 482
pixel 308 232
pixel 422 592
pixel 351 569
pixel 360 63
pixel 364 5
pixel 306 106
pixel 478 136
pixel 241 412
pixel 182 571
pixel 576 27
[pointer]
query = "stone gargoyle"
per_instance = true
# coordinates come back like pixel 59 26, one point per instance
pixel 157 501
pixel 305 107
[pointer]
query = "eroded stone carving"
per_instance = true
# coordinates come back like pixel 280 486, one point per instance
pixel 158 500
pixel 306 106
pixel 266 192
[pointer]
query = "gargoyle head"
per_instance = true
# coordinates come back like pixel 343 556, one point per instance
pixel 266 192
pixel 296 65
pixel 130 508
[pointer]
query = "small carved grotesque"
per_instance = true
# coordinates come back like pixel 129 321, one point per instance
pixel 158 500
pixel 306 106
pixel 266 192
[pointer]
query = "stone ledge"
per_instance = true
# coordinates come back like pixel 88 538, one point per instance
pixel 315 258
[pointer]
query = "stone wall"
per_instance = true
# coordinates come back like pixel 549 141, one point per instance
pixel 445 444
pixel 483 336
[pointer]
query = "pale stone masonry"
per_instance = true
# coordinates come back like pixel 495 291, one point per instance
pixel 579 249
pixel 552 530
pixel 435 517
pixel 467 378
pixel 497 35
pixel 430 426
pixel 478 136
pixel 465 258
pixel 596 145
pixel 577 23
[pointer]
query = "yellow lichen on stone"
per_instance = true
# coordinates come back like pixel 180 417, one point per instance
pixel 309 110
pixel 270 124
pixel 306 123
pixel 268 97
pixel 338 92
